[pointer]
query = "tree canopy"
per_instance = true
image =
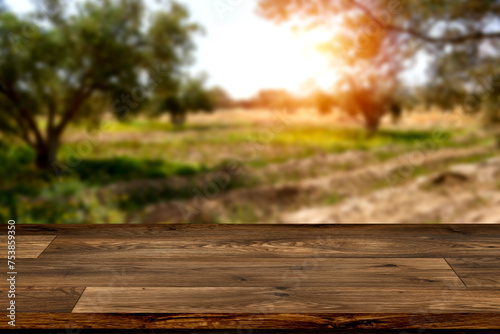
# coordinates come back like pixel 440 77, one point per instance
pixel 376 40
pixel 59 66
pixel 190 94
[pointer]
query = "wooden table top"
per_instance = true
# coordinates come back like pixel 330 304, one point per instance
pixel 190 276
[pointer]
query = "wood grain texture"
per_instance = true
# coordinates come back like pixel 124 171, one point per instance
pixel 244 246
pixel 275 300
pixel 27 246
pixel 178 230
pixel 227 272
pixel 242 321
pixel 43 299
pixel 478 272
pixel 187 276
pixel 268 331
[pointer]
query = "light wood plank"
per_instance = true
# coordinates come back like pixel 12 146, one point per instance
pixel 256 272
pixel 478 272
pixel 269 300
pixel 27 246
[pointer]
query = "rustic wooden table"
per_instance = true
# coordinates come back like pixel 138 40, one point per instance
pixel 257 276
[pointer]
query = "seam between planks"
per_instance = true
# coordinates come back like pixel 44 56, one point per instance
pixel 455 272
pixel 72 309
pixel 50 243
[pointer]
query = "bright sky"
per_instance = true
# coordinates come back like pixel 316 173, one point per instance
pixel 243 52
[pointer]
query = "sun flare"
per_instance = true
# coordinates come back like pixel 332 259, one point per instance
pixel 300 63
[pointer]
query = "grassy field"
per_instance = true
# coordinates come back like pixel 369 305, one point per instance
pixel 128 172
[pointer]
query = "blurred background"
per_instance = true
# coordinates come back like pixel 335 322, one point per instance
pixel 242 111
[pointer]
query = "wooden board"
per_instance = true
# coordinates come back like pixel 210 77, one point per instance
pixel 269 331
pixel 478 272
pixel 27 246
pixel 275 300
pixel 44 299
pixel 228 271
pixel 245 246
pixel 243 322
pixel 258 276
pixel 420 231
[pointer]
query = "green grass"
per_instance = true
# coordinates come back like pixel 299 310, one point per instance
pixel 148 125
pixel 476 158
pixel 340 140
pixel 150 149
pixel 32 196
pixel 244 213
pixel 210 142
pixel 333 198
pixel 105 171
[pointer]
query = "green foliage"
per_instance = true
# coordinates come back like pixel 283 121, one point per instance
pixel 65 203
pixel 29 195
pixel 13 158
pixel 104 171
pixel 121 179
pixel 70 66
pixel 341 139
pixel 373 42
pixel 190 95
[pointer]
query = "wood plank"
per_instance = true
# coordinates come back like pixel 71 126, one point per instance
pixel 250 321
pixel 176 230
pixel 271 331
pixel 384 245
pixel 27 246
pixel 212 276
pixel 478 272
pixel 242 322
pixel 275 300
pixel 43 299
pixel 255 272
pixel 266 331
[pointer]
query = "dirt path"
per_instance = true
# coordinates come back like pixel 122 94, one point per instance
pixel 466 193
pixel 327 198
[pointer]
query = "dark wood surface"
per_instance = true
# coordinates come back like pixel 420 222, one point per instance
pixel 257 276
pixel 478 272
pixel 258 331
pixel 45 299
pixel 428 273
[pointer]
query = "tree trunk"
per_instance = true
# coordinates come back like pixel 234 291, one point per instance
pixel 46 155
pixel 372 123
pixel 396 113
pixel 178 119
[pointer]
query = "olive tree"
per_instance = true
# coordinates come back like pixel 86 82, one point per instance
pixel 59 66
pixel 374 41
